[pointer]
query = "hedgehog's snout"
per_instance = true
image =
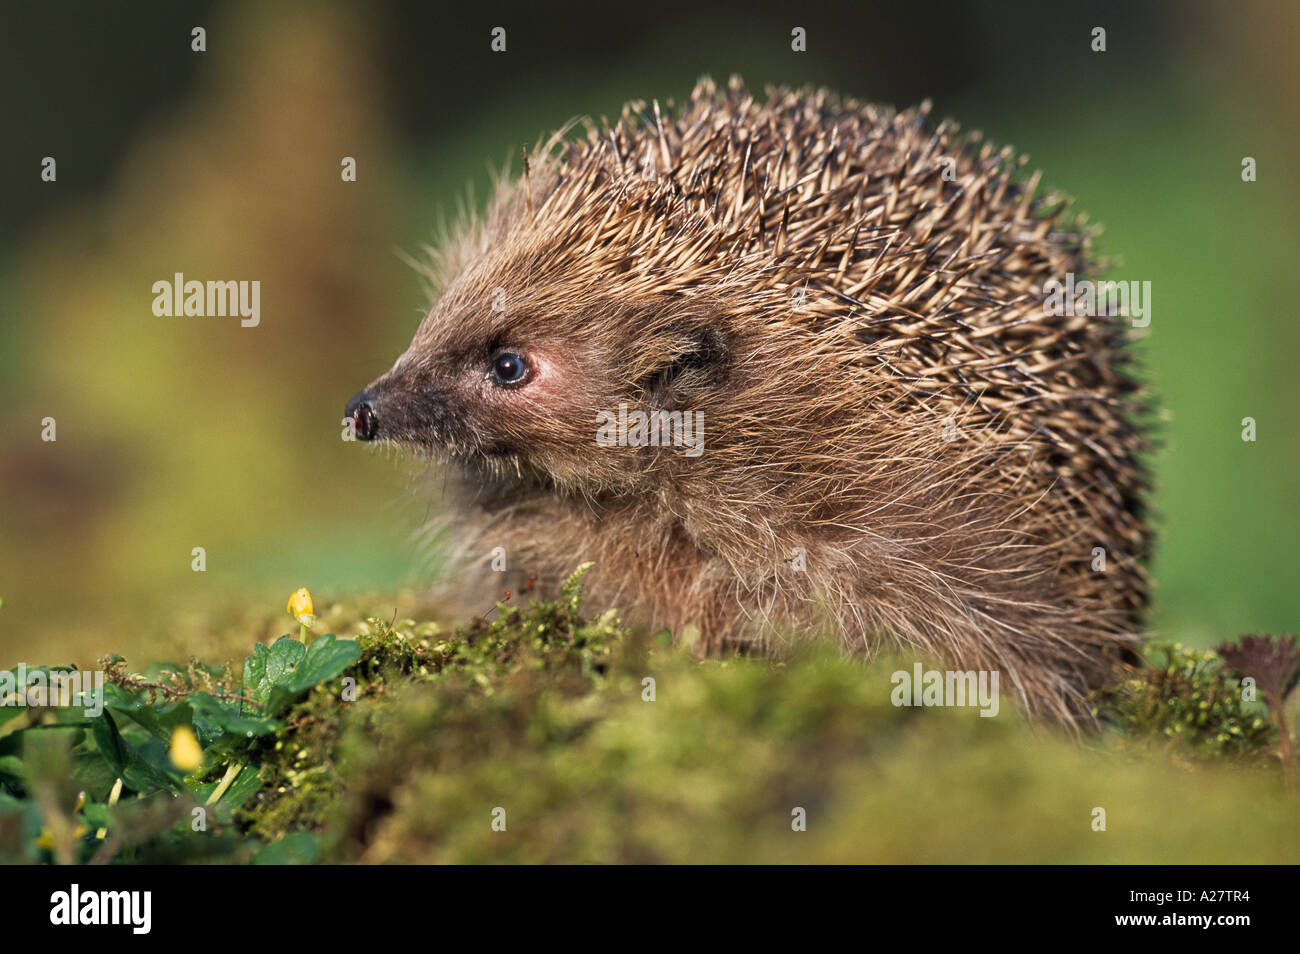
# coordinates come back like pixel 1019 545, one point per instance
pixel 362 414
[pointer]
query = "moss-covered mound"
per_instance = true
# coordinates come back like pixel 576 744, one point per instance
pixel 544 736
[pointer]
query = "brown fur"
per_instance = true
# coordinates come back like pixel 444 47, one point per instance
pixel 798 270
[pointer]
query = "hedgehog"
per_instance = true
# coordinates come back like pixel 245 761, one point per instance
pixel 780 365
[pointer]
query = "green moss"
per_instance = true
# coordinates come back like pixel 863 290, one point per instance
pixel 543 736
pixel 298 766
pixel 715 768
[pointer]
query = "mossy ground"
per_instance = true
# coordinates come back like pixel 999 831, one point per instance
pixel 544 736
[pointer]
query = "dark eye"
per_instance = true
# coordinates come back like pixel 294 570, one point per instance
pixel 509 368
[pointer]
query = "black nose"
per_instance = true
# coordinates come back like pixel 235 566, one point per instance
pixel 363 417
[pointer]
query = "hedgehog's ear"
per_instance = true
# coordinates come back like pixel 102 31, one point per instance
pixel 698 363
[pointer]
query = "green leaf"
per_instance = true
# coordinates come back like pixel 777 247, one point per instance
pixel 299 848
pixel 149 769
pixel 269 667
pixel 247 784
pixel 109 742
pixel 159 721
pixel 213 718
pixel 278 675
pixel 92 773
pixel 11 766
pixel 327 657
pixel 97 815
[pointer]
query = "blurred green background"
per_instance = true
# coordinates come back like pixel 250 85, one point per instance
pixel 180 433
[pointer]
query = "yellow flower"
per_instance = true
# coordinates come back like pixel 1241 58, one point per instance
pixel 300 607
pixel 45 840
pixel 185 752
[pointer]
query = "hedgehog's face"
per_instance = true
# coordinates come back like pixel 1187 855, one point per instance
pixel 525 391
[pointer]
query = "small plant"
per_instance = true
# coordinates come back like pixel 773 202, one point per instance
pixel 1189 700
pixel 253 755
pixel 166 749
